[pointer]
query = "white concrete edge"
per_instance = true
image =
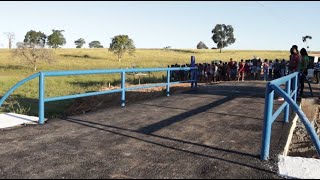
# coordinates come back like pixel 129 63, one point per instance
pixel 298 167
pixel 10 120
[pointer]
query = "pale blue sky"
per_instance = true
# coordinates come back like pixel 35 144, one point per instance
pixel 258 25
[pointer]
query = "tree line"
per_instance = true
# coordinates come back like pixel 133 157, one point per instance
pixel 54 40
pixel 33 48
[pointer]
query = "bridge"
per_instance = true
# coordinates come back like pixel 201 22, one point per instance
pixel 213 131
pixel 208 132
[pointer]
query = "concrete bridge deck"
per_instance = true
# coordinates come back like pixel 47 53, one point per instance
pixel 212 132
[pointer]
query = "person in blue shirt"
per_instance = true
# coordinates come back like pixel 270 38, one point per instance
pixel 317 71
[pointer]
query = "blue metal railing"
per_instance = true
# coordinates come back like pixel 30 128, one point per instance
pixel 123 89
pixel 290 97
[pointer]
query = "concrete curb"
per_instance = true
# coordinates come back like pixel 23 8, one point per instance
pixel 9 120
pixel 297 167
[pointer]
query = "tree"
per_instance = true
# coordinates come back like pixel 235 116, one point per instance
pixel 95 44
pixel 11 37
pixel 56 39
pixel 201 45
pixel 33 56
pixel 80 42
pixel 223 35
pixel 120 45
pixel 35 39
pixel 305 40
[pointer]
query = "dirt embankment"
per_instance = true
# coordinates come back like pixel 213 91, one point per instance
pixel 93 103
pixel 301 144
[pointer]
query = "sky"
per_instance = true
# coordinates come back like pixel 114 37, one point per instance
pixel 258 25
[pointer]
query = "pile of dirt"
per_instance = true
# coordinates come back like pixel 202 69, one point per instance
pixel 301 144
pixel 94 103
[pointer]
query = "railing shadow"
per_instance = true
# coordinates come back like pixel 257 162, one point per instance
pixel 180 117
pixel 103 127
pixel 217 113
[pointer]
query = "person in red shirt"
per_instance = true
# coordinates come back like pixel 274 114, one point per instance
pixel 294 60
pixel 241 70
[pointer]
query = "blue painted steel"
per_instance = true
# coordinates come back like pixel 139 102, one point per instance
pixel 296 81
pixel 302 116
pixel 266 136
pixel 179 82
pixel 20 83
pixel 81 95
pixel 109 71
pixel 41 98
pixel 290 100
pixel 123 87
pixel 279 111
pixel 283 106
pixel 287 108
pixel 283 80
pixel 168 82
pixel 42 75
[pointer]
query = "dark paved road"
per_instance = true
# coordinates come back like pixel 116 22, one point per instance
pixel 212 132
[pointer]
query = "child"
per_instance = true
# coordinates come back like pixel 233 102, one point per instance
pixel 265 70
pixel 241 70
pixel 270 70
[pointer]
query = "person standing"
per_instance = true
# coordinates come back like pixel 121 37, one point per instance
pixel 317 71
pixel 254 67
pixel 276 69
pixel 259 64
pixel 303 69
pixel 241 70
pixel 270 70
pixel 230 64
pixel 294 60
pixel 265 70
pixel 283 68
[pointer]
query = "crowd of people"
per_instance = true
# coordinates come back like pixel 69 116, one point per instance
pixel 253 69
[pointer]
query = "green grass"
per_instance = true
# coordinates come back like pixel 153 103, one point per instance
pixel 12 70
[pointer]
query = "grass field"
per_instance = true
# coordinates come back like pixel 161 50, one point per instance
pixel 12 71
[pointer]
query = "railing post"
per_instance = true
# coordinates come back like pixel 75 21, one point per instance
pixel 41 98
pixel 193 72
pixel 168 82
pixel 123 87
pixel 266 136
pixel 296 88
pixel 287 108
pixel 309 127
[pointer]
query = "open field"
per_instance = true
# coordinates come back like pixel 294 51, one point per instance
pixel 12 70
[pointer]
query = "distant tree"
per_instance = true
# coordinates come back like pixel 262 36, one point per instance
pixel 33 56
pixel 95 44
pixel 11 37
pixel 305 40
pixel 223 36
pixel 201 45
pixel 56 39
pixel 80 42
pixel 120 45
pixel 35 39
